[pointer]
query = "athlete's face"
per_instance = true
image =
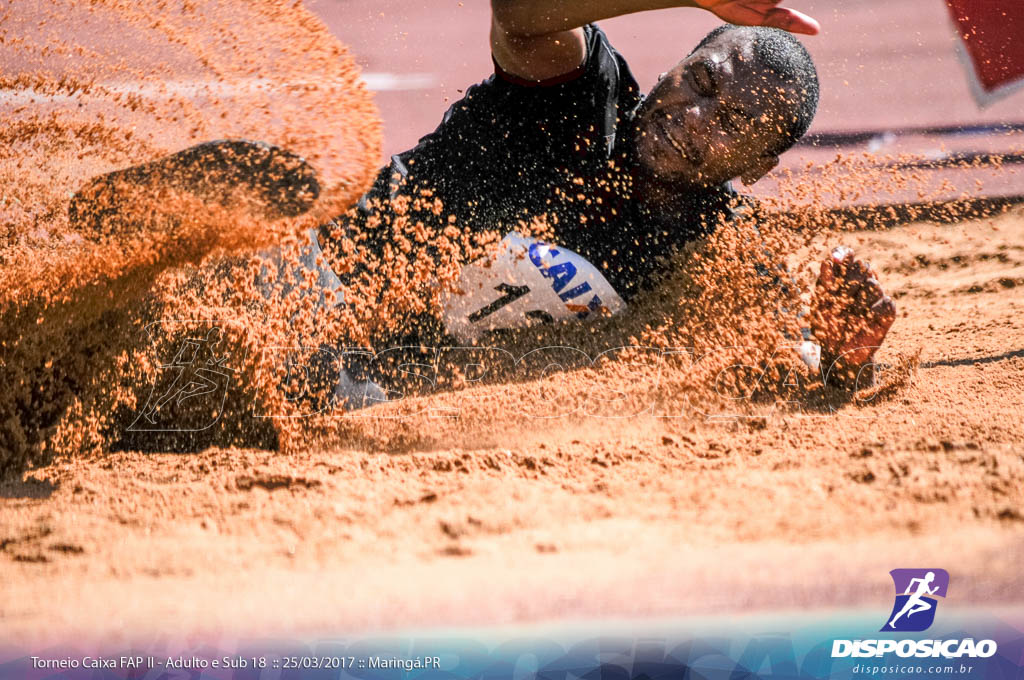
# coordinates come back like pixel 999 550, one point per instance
pixel 713 117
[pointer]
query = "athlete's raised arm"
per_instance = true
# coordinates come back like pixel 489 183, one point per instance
pixel 542 39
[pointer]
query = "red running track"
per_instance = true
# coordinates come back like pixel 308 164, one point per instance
pixel 884 65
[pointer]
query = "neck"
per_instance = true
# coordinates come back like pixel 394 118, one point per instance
pixel 660 196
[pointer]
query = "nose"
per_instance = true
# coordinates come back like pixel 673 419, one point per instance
pixel 692 119
pixel 692 116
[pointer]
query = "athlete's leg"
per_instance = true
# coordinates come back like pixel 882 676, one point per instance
pixel 276 182
pixel 68 331
pixel 906 607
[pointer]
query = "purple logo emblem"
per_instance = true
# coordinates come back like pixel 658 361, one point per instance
pixel 916 589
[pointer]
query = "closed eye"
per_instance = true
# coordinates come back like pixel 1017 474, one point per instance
pixel 703 80
pixel 732 120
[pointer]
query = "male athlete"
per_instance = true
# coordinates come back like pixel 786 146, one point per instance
pixel 561 130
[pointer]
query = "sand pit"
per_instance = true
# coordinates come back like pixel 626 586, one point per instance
pixel 572 517
pixel 629 488
pixel 79 107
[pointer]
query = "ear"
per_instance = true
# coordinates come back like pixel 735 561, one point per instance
pixel 761 167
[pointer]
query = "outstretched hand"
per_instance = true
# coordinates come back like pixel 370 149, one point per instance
pixel 761 13
pixel 850 314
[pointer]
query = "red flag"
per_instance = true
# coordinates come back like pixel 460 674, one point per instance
pixel 993 38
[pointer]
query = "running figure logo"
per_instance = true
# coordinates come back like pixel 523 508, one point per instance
pixel 914 609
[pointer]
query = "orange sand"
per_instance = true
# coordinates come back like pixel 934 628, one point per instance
pixel 456 504
pixel 518 520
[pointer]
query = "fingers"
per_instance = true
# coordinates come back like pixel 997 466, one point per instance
pixel 863 285
pixel 827 274
pixel 874 323
pixel 851 312
pixel 791 20
pixel 842 272
pixel 836 269
pixel 833 267
pixel 868 333
pixel 874 326
pixel 842 254
pixel 882 315
pixel 761 13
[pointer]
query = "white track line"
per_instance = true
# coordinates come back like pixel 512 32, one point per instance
pixel 381 82
pixel 376 81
